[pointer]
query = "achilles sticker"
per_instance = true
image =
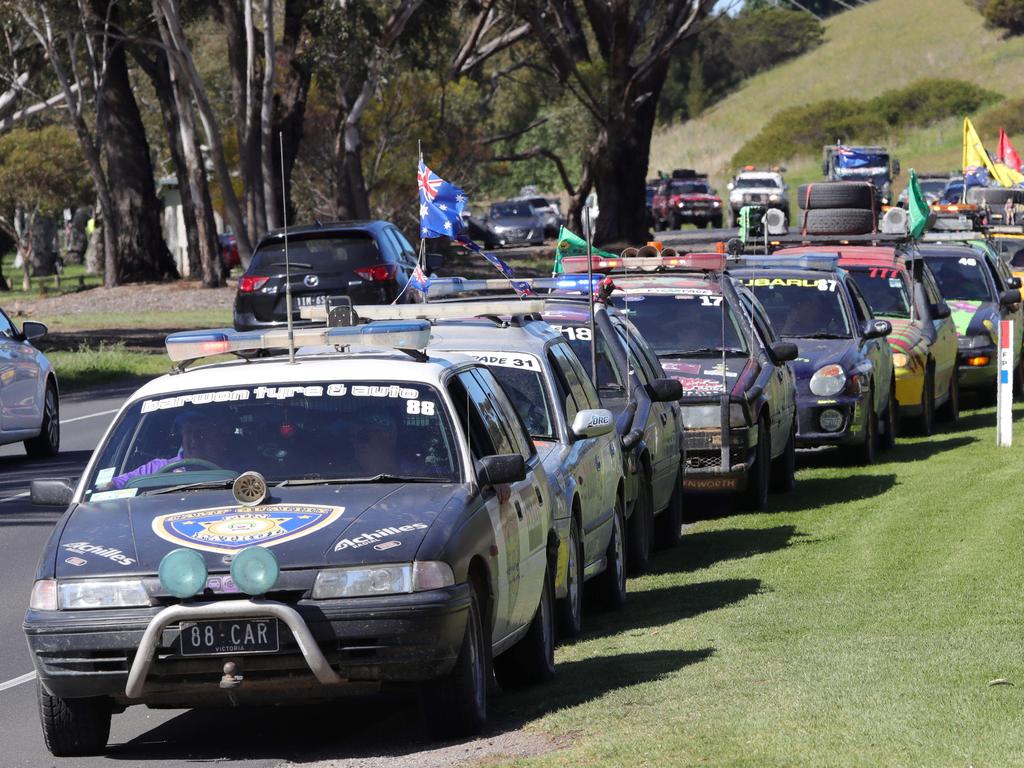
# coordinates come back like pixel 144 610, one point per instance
pixel 507 360
pixel 230 529
pixel 375 536
pixel 85 548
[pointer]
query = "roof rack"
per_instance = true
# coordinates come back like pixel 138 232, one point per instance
pixel 824 262
pixel 872 238
pixel 685 262
pixel 185 347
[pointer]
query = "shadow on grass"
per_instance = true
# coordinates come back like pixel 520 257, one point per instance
pixel 705 548
pixel 905 451
pixel 814 492
pixel 390 725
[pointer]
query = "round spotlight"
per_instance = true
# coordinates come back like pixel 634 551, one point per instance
pixel 254 570
pixel 183 572
pixel 831 420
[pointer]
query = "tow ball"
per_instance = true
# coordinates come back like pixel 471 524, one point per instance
pixel 229 680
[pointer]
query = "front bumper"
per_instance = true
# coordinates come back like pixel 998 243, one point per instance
pixel 809 433
pixel 702 466
pixel 909 390
pixel 977 376
pixel 132 655
pixel 698 214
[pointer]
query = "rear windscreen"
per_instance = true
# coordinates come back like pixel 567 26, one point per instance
pixel 326 254
pixel 885 290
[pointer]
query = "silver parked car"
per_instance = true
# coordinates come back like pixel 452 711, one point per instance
pixel 29 398
pixel 514 222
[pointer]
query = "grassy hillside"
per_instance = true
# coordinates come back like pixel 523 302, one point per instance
pixel 874 48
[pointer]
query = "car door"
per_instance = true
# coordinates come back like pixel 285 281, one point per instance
pixel 587 459
pixel 876 350
pixel 21 390
pixel 530 497
pixel 944 346
pixel 780 389
pixel 1016 312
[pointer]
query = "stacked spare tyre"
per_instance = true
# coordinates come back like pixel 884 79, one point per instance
pixel 837 208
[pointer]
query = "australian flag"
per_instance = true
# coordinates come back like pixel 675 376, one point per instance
pixel 441 205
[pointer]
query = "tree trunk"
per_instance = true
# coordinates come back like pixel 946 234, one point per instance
pixel 268 172
pixel 140 250
pixel 351 200
pixel 255 205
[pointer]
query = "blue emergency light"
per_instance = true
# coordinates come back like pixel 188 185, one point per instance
pixel 387 334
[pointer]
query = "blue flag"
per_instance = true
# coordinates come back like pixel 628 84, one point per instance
pixel 441 205
pixel 522 287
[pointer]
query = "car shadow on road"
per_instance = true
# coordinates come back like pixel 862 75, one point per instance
pixel 813 492
pixel 905 451
pixel 702 549
pixel 370 731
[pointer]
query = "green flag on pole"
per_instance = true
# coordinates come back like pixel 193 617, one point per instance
pixel 571 244
pixel 916 207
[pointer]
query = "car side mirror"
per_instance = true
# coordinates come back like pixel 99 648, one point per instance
pixel 1008 298
pixel 32 330
pixel 876 329
pixel 593 422
pixel 1014 282
pixel 940 311
pixel 501 470
pixel 54 492
pixel 666 390
pixel 435 261
pixel 784 351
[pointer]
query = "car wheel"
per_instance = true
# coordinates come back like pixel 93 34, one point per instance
pixel 755 497
pixel 926 425
pixel 784 467
pixel 570 607
pixel 48 441
pixel 611 584
pixel 950 411
pixel 1018 377
pixel 641 524
pixel 675 221
pixel 457 704
pixel 865 452
pixel 717 222
pixel 74 727
pixel 532 659
pixel 892 413
pixel 668 525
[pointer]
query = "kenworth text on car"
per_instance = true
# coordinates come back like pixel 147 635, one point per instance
pixel 739 401
pixel 264 532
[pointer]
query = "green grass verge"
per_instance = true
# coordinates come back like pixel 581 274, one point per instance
pixel 88 367
pixel 73 278
pixel 858 622
pixel 186 319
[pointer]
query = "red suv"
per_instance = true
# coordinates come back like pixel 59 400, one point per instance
pixel 686 197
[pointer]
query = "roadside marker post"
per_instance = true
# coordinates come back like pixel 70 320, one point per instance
pixel 1004 387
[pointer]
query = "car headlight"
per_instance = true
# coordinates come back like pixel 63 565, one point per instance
pixel 900 360
pixel 975 342
pixel 773 198
pixel 81 594
pixel 367 581
pixel 499 228
pixel 716 203
pixel 828 380
pixel 710 416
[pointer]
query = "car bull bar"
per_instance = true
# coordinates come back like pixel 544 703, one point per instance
pixel 228 609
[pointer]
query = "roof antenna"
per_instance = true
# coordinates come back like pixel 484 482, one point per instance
pixel 287 262
pixel 588 232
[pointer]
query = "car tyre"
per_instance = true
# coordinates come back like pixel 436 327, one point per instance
pixel 755 497
pixel 821 195
pixel 669 524
pixel 716 222
pixel 641 524
pixel 47 443
pixel 926 424
pixel 784 467
pixel 1018 377
pixel 611 584
pixel 865 452
pixel 675 221
pixel 74 727
pixel 839 221
pixel 892 417
pixel 950 411
pixel 532 659
pixel 570 607
pixel 457 704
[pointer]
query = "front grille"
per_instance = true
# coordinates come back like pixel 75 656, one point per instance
pixel 712 459
pixel 84 662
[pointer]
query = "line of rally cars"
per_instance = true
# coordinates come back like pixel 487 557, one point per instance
pixel 420 498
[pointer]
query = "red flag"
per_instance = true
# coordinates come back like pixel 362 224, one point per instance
pixel 1006 154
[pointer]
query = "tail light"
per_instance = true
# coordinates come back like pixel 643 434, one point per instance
pixel 377 274
pixel 248 283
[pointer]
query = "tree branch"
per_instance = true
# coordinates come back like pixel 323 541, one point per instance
pixel 58 98
pixel 514 134
pixel 495 45
pixel 531 154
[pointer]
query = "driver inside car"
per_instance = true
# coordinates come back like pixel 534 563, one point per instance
pixel 201 441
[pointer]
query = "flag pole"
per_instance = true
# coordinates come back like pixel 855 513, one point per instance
pixel 588 227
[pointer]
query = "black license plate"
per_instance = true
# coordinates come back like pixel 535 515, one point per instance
pixel 211 638
pixel 309 301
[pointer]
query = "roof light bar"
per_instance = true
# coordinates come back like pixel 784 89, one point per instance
pixel 690 262
pixel 441 287
pixel 393 334
pixel 440 311
pixel 826 262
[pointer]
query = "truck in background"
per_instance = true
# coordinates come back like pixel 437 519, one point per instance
pixel 758 186
pixel 862 163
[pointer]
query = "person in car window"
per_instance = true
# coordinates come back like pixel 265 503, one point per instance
pixel 201 439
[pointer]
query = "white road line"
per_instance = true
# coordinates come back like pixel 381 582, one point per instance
pixel 21 495
pixel 88 416
pixel 17 681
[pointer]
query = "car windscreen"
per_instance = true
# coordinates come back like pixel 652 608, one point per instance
pixel 324 430
pixel 684 324
pixel 802 307
pixel 520 375
pixel 885 290
pixel 689 188
pixel 751 183
pixel 319 254
pixel 952 193
pixel 511 210
pixel 960 277
pixel 1011 249
pixel 933 187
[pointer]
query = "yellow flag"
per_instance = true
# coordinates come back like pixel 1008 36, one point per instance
pixel 975 156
